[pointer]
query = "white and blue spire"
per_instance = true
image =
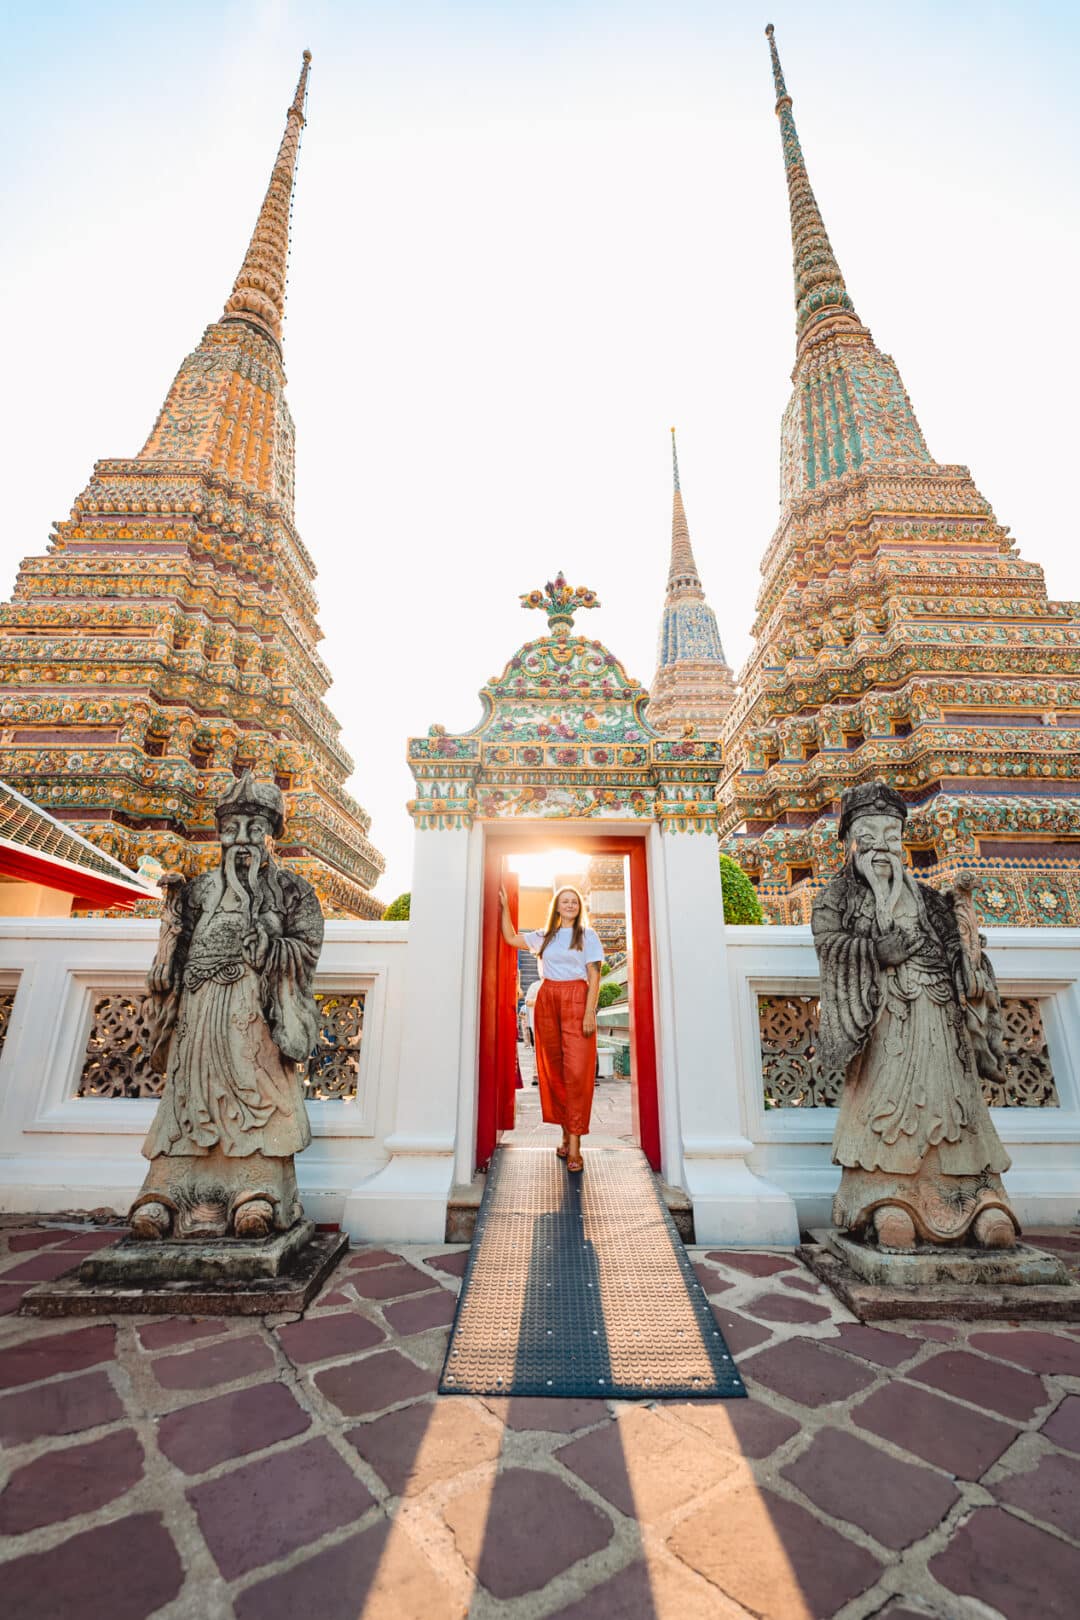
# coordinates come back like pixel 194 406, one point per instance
pixel 693 684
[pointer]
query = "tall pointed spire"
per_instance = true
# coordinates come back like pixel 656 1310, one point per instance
pixel 258 295
pixel 682 571
pixel 820 293
pixel 693 682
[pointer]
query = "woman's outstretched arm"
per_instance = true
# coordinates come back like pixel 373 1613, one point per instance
pixel 509 932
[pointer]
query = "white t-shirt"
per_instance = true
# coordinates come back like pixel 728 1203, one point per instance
pixel 559 962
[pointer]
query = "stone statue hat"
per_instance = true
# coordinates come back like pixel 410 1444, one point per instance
pixel 870 799
pixel 248 797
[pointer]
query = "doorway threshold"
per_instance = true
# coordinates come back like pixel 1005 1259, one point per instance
pixel 464 1204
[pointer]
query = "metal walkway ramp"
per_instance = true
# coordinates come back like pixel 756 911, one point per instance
pixel 580 1285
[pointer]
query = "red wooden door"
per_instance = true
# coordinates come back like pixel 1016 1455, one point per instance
pixel 497 1066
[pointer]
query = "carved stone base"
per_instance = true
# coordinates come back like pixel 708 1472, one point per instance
pixel 191 1260
pixel 299 1276
pixel 947 1284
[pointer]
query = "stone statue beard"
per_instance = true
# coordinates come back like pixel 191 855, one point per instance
pixel 246 879
pixel 886 890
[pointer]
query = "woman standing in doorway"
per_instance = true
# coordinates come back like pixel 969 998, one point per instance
pixel 565 1015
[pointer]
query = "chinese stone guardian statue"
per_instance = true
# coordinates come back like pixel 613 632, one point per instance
pixel 910 1016
pixel 233 1015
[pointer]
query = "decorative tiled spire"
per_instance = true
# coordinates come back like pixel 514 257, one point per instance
pixel 693 682
pixel 820 293
pixel 258 295
pixel 683 569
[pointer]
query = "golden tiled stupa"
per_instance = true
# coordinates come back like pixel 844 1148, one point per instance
pixel 898 635
pixel 168 639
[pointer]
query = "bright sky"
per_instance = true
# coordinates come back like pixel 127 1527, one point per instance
pixel 527 239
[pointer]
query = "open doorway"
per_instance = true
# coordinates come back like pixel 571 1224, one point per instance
pixel 531 866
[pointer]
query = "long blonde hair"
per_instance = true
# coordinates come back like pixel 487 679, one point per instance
pixel 577 928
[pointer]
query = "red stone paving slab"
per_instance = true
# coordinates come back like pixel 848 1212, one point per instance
pixel 644 1464
pixel 785 1308
pixel 173 1330
pixel 739 1334
pixel 1063 1425
pixel 711 1280
pixel 379 1380
pixel 11 1297
pixel 804 1372
pixel 883 1348
pixel 453 1264
pixel 953 1437
pixel 372 1257
pixel 82 1241
pixel 1067 1241
pixel 546 1415
pixel 21 1241
pixel 422 1312
pixel 219 1363
pixel 418 1445
pixel 46 1355
pixel 644 1592
pixel 70 1480
pixel 265 1510
pixel 773 1556
pixel 61 1408
pixel 1015 1568
pixel 1050 1492
pixel 335 1298
pixel 125 1570
pixel 199 1437
pixel 527 1530
pixel 387 1282
pixel 755 1265
pixel 321 1337
pixel 1038 1352
pixel 895 1502
pixel 380 1574
pixel 805 1285
pixel 988 1384
pixel 42 1267
pixel 748 1428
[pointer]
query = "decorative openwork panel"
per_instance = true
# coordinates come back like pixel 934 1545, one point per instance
pixel 792 1076
pixel 117 1061
pixel 333 1069
pixel 117 1058
pixel 7 1001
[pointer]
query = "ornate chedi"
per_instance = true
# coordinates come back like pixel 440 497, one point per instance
pixel 563 736
pixel 167 642
pixel 898 635
pixel 693 684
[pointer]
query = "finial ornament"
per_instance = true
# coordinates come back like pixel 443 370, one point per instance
pixel 777 70
pixel 560 601
pixel 674 459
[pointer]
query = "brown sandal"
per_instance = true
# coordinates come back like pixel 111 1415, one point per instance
pixel 575 1166
pixel 563 1149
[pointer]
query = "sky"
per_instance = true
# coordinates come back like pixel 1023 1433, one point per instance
pixel 527 239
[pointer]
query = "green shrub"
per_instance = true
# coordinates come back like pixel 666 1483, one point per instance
pixel 741 904
pixel 609 993
pixel 605 969
pixel 398 910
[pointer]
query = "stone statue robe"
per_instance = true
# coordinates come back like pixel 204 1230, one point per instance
pixel 913 1128
pixel 238 1019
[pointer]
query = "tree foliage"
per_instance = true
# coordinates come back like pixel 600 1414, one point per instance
pixel 609 992
pixel 741 904
pixel 398 910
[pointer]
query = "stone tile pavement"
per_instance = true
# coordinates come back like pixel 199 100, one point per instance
pixel 285 1467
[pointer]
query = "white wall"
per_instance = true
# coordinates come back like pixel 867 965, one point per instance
pixel 792 1145
pixel 62 1151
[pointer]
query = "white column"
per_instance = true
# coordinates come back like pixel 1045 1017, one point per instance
pixel 406 1200
pixel 699 1054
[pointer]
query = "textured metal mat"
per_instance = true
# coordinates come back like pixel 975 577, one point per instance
pixel 580 1285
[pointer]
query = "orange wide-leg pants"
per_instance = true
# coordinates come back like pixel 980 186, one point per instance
pixel 565 1058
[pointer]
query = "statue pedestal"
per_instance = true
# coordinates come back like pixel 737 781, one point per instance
pixel 218 1277
pixel 925 1283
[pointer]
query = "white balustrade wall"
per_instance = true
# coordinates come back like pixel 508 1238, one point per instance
pixel 60 1150
pixel 792 1145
